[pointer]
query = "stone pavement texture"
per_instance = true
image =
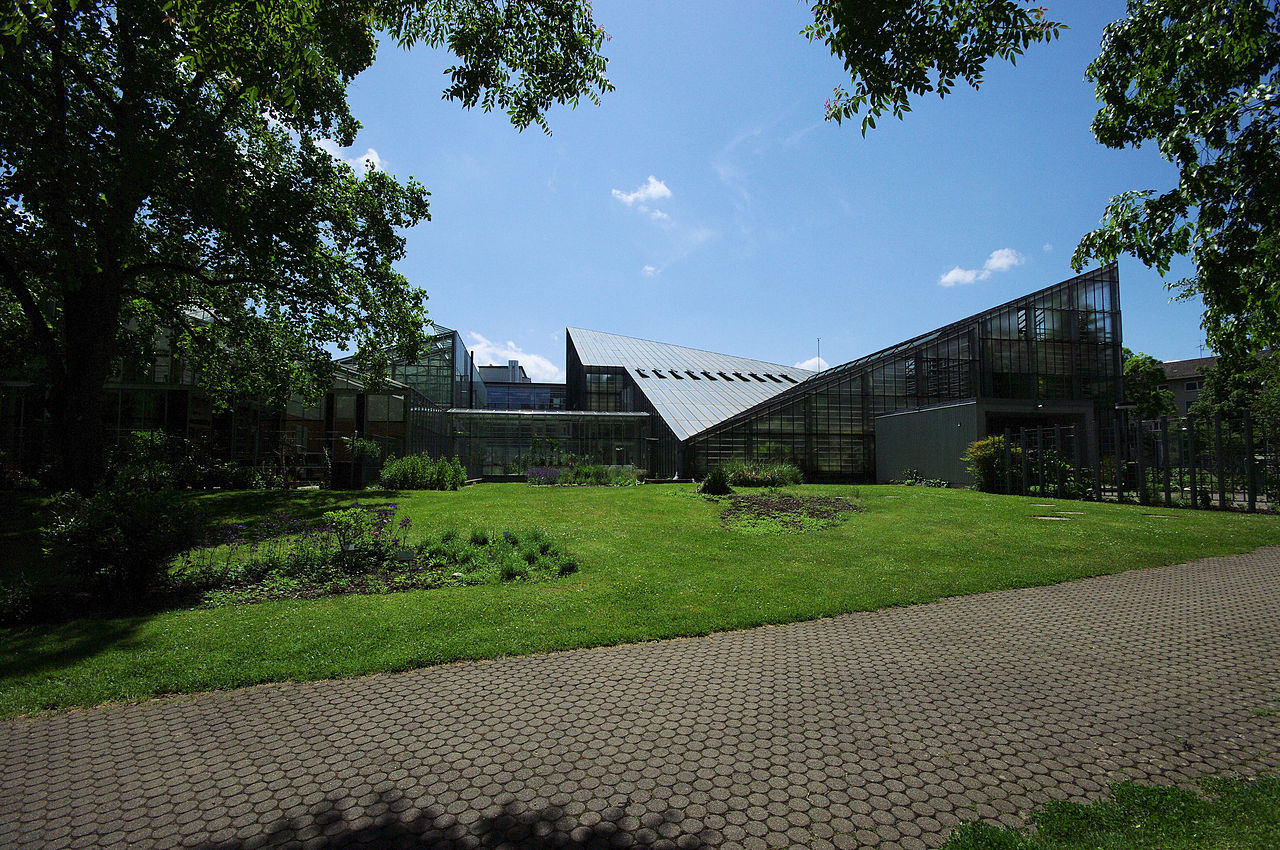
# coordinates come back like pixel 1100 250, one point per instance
pixel 879 729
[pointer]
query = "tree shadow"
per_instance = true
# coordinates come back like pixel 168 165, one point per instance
pixel 36 650
pixel 392 821
pixel 252 506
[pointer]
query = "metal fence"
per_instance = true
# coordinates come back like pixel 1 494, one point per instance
pixel 1175 462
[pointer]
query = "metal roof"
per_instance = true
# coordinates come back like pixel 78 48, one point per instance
pixel 690 389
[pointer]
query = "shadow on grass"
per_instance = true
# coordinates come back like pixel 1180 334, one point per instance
pixel 393 821
pixel 21 517
pixel 37 650
pixel 251 506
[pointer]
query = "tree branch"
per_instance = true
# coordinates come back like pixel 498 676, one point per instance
pixel 39 324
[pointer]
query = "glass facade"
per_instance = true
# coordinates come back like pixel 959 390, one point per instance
pixel 444 375
pixel 500 442
pixel 524 396
pixel 1059 344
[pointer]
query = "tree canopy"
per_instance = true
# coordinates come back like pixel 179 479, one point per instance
pixel 1198 78
pixel 1250 385
pixel 899 49
pixel 161 170
pixel 1143 375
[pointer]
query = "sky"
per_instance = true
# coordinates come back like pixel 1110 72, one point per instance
pixel 707 203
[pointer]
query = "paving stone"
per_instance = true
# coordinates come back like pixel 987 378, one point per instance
pixel 882 729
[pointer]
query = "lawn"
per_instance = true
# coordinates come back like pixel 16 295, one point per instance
pixel 1231 814
pixel 656 562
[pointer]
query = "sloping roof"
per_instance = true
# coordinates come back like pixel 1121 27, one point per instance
pixel 690 389
pixel 1177 370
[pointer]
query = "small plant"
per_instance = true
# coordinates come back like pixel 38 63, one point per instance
pixel 543 475
pixel 15 600
pixel 716 483
pixel 911 477
pixel 362 448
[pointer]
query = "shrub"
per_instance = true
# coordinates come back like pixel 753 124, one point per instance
pixel 595 474
pixel 716 483
pixel 985 461
pixel 420 472
pixel 912 478
pixel 759 474
pixel 121 538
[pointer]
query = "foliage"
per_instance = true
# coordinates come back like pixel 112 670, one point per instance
pixel 607 475
pixel 716 483
pixel 1235 812
pixel 985 460
pixel 543 475
pixel 165 179
pixel 912 478
pixel 596 474
pixel 896 51
pixel 362 549
pixel 1199 79
pixel 420 472
pixel 12 478
pixel 757 474
pixel 1143 375
pixel 1236 385
pixel 156 460
pixel 120 540
pixel 362 448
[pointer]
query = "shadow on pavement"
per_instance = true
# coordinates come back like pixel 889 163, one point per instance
pixel 395 822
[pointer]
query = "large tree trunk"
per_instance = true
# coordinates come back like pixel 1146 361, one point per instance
pixel 91 318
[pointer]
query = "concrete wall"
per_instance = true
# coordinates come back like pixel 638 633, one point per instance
pixel 929 439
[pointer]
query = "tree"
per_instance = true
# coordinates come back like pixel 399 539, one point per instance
pixel 1143 375
pixel 160 170
pixel 1200 80
pixel 1233 388
pixel 898 49
pixel 1196 77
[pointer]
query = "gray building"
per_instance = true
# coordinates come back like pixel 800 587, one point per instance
pixel 1185 379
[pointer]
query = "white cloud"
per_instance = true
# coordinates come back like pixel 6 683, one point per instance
pixel 360 164
pixel 813 364
pixel 1048 246
pixel 648 271
pixel 652 189
pixel 656 215
pixel 489 353
pixel 958 275
pixel 1000 260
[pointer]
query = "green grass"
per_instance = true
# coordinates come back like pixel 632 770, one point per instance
pixel 656 562
pixel 1235 814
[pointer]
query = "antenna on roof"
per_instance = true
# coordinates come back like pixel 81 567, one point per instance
pixel 818 365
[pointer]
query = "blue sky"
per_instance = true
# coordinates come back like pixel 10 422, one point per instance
pixel 707 203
